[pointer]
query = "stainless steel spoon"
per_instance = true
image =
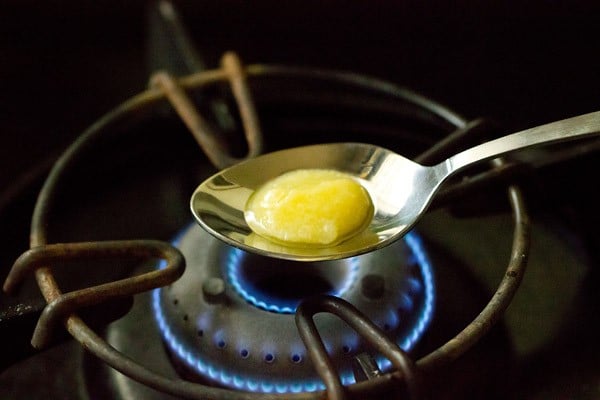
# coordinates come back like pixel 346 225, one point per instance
pixel 401 189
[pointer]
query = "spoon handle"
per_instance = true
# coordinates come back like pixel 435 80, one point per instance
pixel 566 129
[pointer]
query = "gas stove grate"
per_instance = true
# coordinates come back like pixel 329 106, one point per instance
pixel 140 106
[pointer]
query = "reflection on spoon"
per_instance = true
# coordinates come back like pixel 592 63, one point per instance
pixel 363 239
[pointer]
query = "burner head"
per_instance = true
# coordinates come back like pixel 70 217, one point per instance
pixel 229 319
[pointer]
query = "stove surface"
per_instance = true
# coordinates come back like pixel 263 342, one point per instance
pixel 65 65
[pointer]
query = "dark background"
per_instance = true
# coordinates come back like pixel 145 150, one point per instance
pixel 63 64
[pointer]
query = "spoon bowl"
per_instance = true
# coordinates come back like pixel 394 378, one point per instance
pixel 400 189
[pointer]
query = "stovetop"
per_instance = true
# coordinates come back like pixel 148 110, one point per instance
pixel 67 65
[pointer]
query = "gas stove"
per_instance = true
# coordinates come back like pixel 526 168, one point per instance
pixel 491 295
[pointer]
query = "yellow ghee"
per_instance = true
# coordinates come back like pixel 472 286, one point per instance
pixel 309 207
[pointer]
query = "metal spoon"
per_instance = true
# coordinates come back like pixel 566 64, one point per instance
pixel 401 190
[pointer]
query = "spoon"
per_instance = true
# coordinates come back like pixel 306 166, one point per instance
pixel 401 190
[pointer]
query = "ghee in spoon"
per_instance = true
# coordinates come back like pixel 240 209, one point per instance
pixel 309 207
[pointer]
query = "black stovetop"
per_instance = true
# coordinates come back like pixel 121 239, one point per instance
pixel 64 65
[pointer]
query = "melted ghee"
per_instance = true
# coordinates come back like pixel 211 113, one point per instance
pixel 309 207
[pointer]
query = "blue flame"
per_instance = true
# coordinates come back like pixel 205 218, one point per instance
pixel 281 306
pixel 415 244
pixel 232 379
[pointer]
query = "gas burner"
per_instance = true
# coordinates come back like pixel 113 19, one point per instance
pixel 129 176
pixel 229 319
pixel 226 328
